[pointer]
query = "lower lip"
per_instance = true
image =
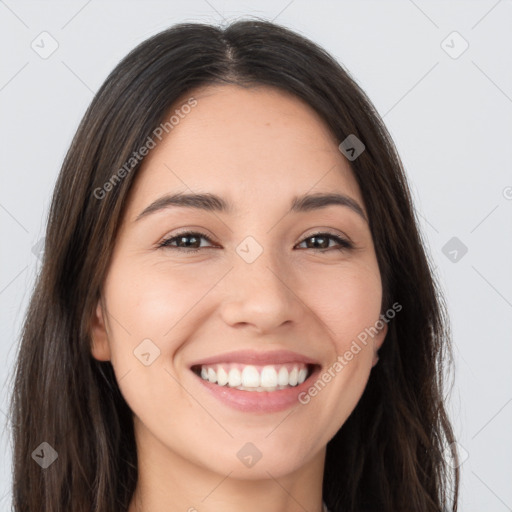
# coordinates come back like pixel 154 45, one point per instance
pixel 258 401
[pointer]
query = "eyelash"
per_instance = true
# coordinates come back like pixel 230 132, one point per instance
pixel 343 244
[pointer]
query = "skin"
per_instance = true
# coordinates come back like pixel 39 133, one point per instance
pixel 256 147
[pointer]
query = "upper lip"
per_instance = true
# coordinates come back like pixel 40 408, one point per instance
pixel 257 357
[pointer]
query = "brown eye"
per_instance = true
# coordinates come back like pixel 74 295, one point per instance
pixel 187 241
pixel 190 241
pixel 321 241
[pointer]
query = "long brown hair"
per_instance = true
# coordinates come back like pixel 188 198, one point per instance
pixel 388 456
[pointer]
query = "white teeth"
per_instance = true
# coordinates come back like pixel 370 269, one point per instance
pixel 222 376
pixel 235 377
pixel 250 377
pixel 212 376
pixel 282 378
pixel 268 377
pixel 255 378
pixel 292 378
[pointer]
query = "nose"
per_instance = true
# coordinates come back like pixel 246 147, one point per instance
pixel 261 295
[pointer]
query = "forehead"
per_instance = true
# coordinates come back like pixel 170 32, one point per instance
pixel 254 146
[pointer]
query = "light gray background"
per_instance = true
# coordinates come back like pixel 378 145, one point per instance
pixel 451 119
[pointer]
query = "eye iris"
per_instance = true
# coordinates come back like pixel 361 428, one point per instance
pixel 315 245
pixel 180 239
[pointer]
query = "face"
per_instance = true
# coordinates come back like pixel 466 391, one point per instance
pixel 256 294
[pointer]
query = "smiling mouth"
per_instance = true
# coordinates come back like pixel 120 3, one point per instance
pixel 270 377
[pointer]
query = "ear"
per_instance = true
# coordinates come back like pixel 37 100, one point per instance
pixel 378 340
pixel 100 347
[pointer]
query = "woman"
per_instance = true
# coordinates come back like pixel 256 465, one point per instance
pixel 235 308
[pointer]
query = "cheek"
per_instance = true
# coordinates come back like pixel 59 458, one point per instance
pixel 346 301
pixel 151 300
pixel 153 309
pixel 148 318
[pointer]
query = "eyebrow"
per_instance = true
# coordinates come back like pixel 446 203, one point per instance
pixel 214 203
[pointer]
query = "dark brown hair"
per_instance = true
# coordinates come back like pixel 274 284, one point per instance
pixel 388 456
